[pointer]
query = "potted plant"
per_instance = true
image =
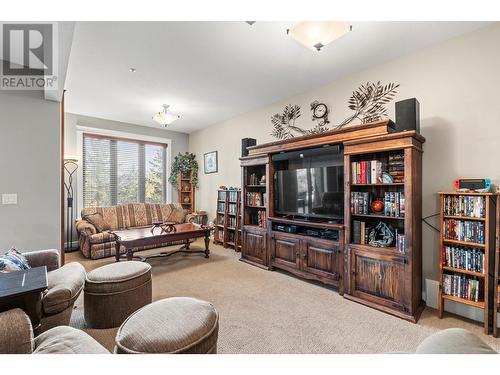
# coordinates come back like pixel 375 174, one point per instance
pixel 184 163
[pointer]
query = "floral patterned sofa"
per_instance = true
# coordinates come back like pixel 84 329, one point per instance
pixel 96 242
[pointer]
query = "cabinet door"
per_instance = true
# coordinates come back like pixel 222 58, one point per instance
pixel 285 251
pixel 321 258
pixel 254 246
pixel 378 278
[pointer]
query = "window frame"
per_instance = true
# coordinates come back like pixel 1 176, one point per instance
pixel 121 136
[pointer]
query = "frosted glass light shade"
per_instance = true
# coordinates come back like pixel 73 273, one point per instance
pixel 315 35
pixel 165 117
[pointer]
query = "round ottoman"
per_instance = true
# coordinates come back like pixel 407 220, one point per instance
pixel 172 325
pixel 115 291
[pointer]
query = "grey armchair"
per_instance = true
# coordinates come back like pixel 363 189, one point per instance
pixel 64 286
pixel 17 338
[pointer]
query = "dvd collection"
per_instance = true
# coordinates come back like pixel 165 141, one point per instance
pixel 220 207
pixel 462 287
pixel 232 208
pixel 464 205
pixel 465 258
pixel 233 196
pixel 256 199
pixel 231 221
pixel 396 167
pixel 394 203
pixel 460 230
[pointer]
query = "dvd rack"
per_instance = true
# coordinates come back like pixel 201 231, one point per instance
pixel 228 219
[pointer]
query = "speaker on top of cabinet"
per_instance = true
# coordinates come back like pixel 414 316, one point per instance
pixel 408 115
pixel 247 142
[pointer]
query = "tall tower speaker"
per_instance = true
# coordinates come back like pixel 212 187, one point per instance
pixel 247 142
pixel 408 115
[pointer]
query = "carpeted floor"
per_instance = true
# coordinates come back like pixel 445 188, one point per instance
pixel 273 312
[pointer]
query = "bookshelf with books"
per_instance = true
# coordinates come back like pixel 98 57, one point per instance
pixel 383 200
pixel 228 219
pixel 467 248
pixel 254 207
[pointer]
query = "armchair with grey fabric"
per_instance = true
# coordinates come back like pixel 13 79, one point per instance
pixel 64 286
pixel 17 338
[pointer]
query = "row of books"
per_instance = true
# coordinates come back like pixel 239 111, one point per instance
pixel 258 218
pixel 462 230
pixel 256 199
pixel 361 235
pixel 233 196
pixel 232 208
pixel 465 258
pixel 231 221
pixel 220 219
pixel 366 172
pixel 221 195
pixel 255 179
pixel 360 202
pixel 394 204
pixel 462 287
pixel 221 207
pixel 396 167
pixel 220 235
pixel 231 236
pixel 463 205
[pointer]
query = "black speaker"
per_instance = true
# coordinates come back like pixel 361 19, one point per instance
pixel 247 142
pixel 408 115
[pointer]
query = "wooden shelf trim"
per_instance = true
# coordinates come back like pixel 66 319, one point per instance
pixel 479 305
pixel 464 218
pixel 379 216
pixel 464 243
pixel 460 270
pixel 380 184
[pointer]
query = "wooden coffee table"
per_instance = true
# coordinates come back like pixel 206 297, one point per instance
pixel 138 237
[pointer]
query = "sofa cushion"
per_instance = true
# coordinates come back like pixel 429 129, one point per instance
pixel 97 221
pixel 102 237
pixel 115 216
pixel 171 325
pixel 64 286
pixel 67 340
pixel 117 277
pixel 454 341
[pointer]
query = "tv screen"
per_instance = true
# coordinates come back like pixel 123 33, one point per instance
pixel 315 192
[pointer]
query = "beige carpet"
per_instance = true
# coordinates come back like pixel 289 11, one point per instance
pixel 273 312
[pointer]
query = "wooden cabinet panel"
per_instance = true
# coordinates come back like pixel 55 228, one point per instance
pixel 378 278
pixel 321 258
pixel 254 246
pixel 285 251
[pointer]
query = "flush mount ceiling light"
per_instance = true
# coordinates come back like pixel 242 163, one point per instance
pixel 165 117
pixel 132 70
pixel 316 35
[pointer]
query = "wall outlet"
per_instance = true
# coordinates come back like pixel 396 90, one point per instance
pixel 9 198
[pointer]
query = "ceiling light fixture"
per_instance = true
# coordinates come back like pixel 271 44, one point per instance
pixel 165 117
pixel 133 70
pixel 316 35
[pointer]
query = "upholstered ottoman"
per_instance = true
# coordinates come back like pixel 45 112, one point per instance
pixel 172 325
pixel 115 291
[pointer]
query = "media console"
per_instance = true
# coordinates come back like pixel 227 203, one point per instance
pixel 384 278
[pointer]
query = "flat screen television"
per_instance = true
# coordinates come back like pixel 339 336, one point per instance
pixel 310 185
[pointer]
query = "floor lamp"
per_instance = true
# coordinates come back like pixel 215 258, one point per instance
pixel 70 166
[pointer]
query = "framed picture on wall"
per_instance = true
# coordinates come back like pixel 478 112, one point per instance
pixel 210 162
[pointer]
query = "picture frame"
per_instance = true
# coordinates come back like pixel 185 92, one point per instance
pixel 210 163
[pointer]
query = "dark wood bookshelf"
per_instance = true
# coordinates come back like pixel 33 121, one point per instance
pixel 485 279
pixel 226 234
pixel 496 280
pixel 186 191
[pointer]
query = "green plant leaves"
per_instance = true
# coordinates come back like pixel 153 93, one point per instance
pixel 184 163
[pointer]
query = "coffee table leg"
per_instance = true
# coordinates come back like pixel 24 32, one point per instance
pixel 129 253
pixel 207 242
pixel 117 251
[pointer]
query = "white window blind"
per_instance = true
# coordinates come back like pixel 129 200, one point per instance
pixel 121 171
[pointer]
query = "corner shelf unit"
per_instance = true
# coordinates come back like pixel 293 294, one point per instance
pixel 228 219
pixel 186 191
pixel 387 278
pixel 469 278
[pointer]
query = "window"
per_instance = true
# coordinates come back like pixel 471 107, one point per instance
pixel 121 171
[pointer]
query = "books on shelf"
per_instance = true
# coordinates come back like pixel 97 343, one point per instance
pixel 462 286
pixel 464 258
pixel 400 241
pixel 231 222
pixel 232 208
pixel 394 204
pixel 255 179
pixel 256 199
pixel 222 195
pixel 366 172
pixel 463 230
pixel 220 235
pixel 396 167
pixel 221 206
pixel 233 196
pixel 464 205
pixel 361 235
pixel 360 203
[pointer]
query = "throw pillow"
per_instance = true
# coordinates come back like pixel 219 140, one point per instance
pixel 97 221
pixel 13 260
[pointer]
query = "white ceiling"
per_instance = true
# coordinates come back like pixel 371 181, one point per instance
pixel 211 71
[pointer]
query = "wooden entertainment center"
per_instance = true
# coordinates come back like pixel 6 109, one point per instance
pixel 385 278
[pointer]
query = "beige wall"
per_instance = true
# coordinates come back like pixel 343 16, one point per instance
pixel 457 84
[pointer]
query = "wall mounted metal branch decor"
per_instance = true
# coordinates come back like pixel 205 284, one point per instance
pixel 368 102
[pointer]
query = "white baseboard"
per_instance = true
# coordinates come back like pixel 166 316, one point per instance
pixel 431 299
